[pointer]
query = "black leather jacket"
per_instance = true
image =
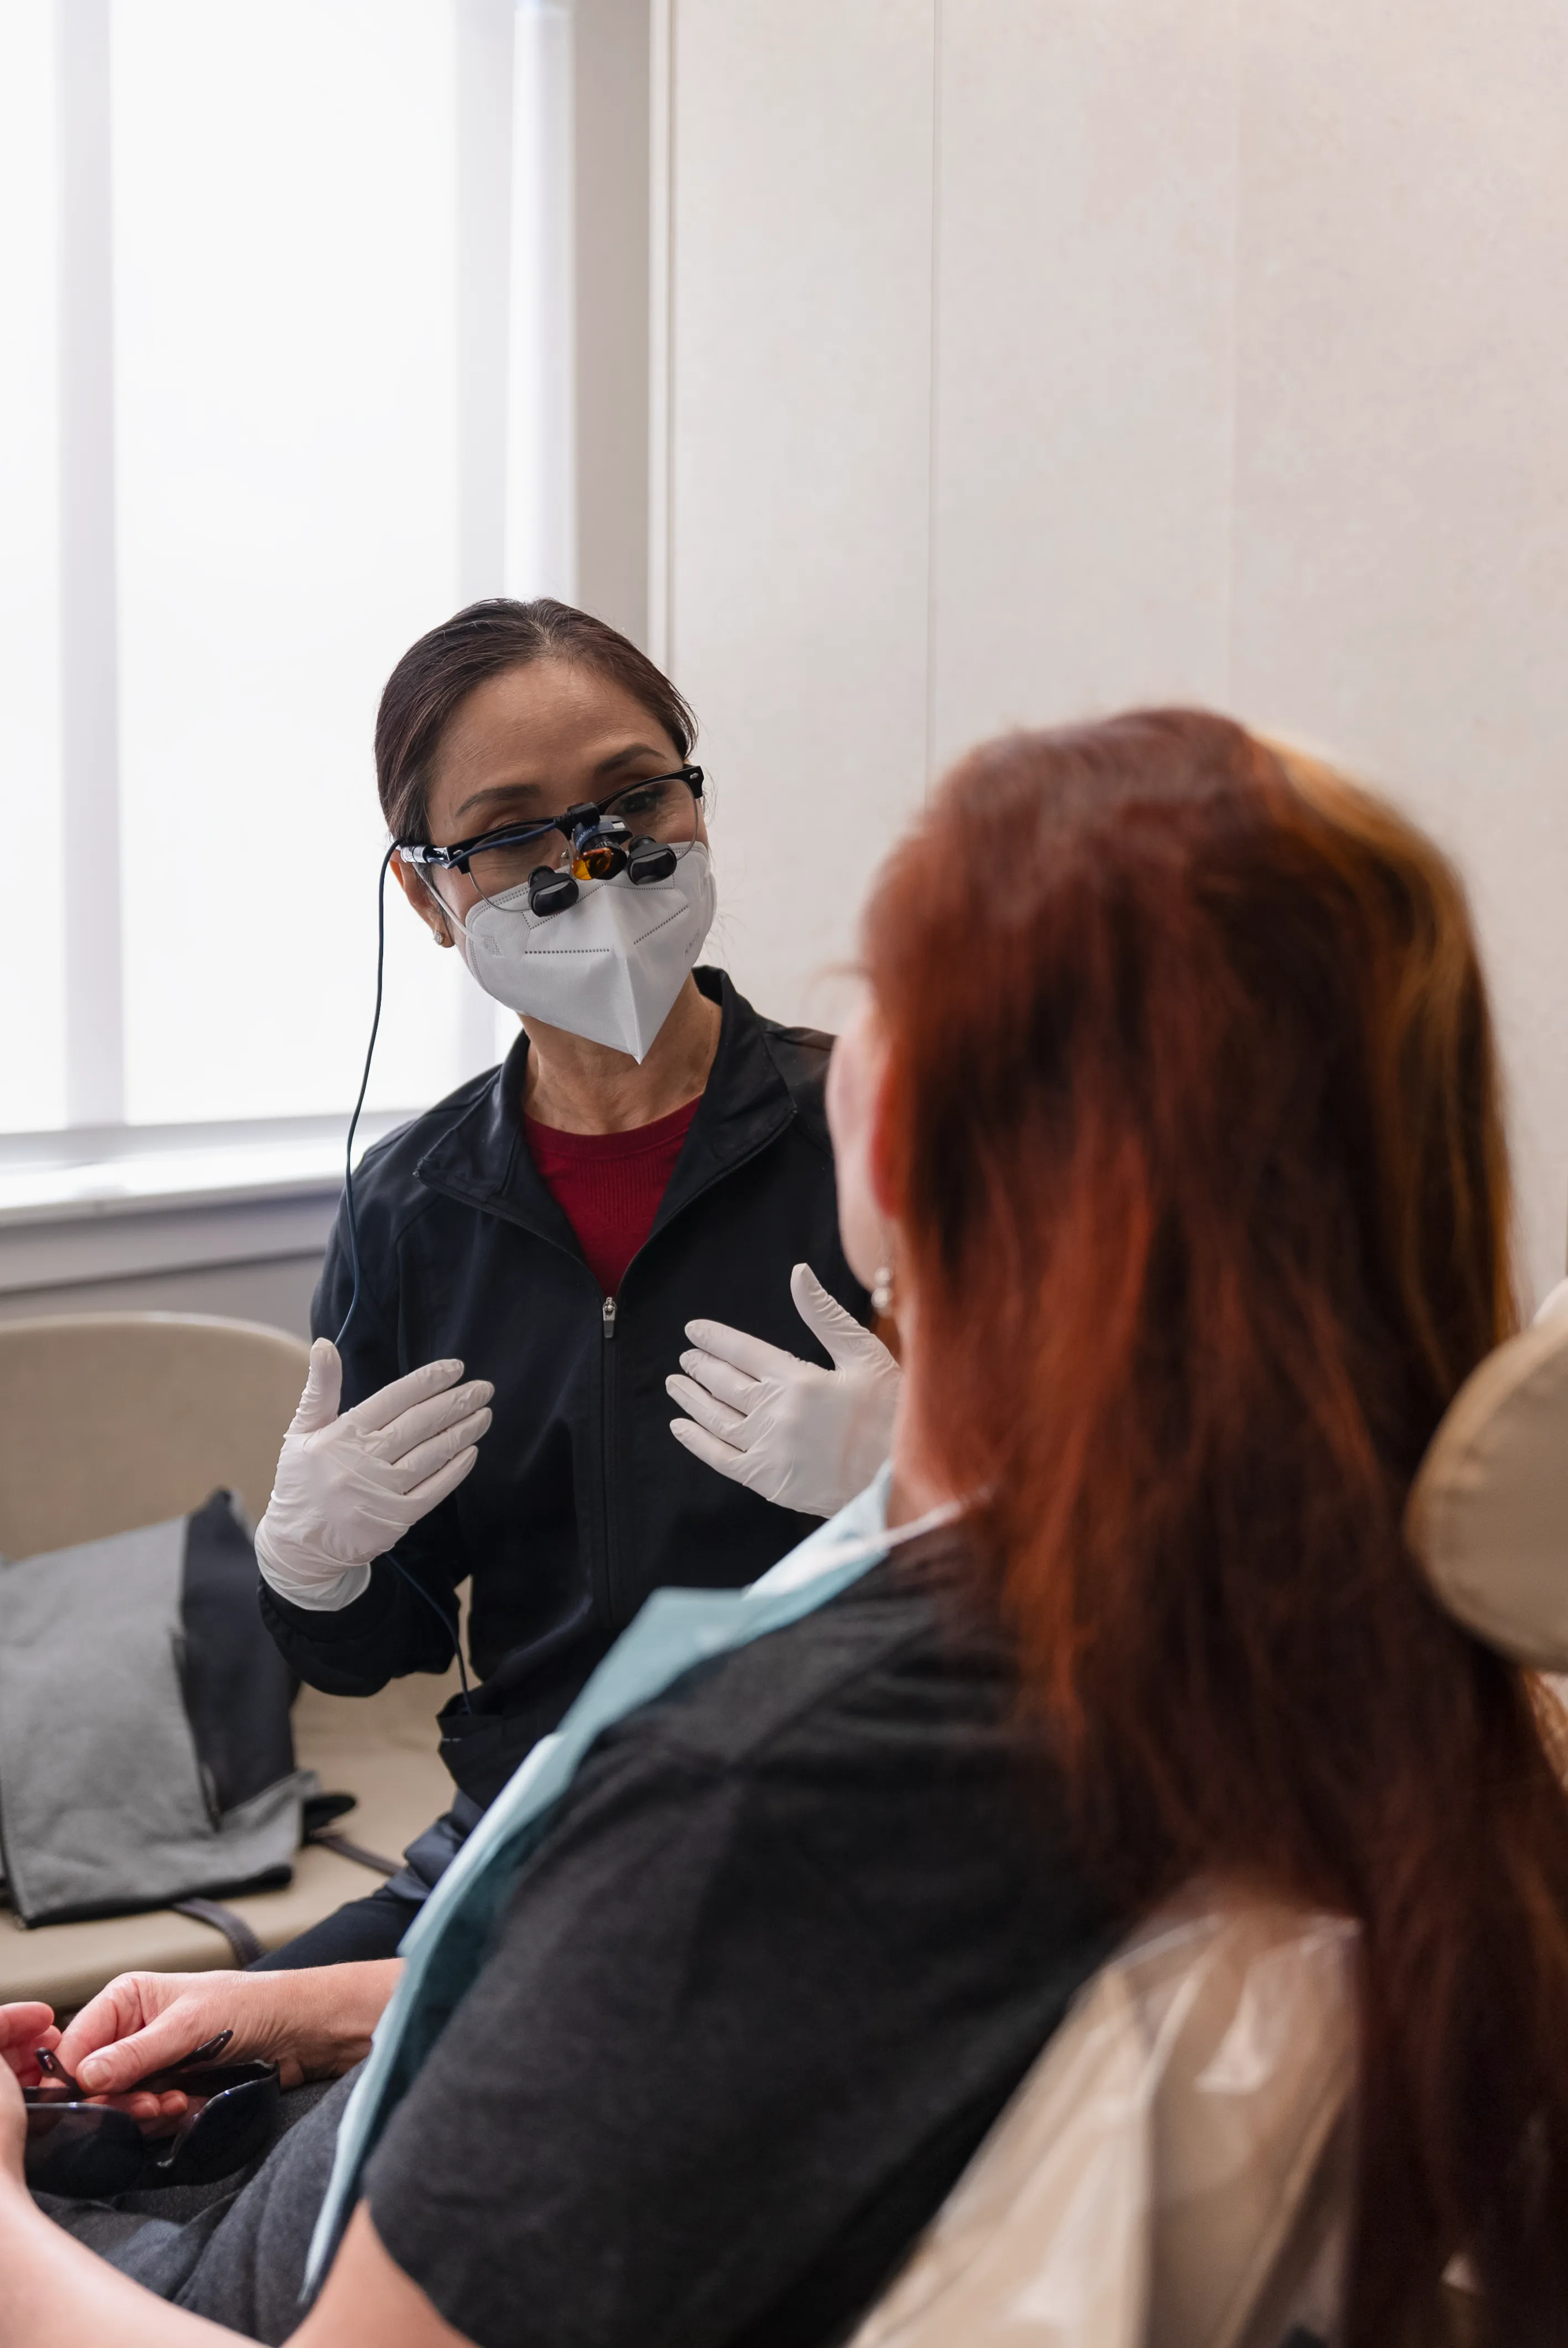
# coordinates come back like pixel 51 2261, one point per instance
pixel 583 1501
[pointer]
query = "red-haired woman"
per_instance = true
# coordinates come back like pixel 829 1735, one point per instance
pixel 1169 1119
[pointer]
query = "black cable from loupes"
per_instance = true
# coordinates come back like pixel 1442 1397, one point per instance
pixel 364 1088
pixel 449 1622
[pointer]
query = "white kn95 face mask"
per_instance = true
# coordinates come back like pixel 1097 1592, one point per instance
pixel 610 967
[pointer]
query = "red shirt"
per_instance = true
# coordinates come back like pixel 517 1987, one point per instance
pixel 608 1185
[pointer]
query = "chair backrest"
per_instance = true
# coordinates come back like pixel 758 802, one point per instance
pixel 1488 1512
pixel 1174 2171
pixel 111 1420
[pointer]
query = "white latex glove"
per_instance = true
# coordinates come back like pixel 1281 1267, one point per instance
pixel 806 1438
pixel 348 1488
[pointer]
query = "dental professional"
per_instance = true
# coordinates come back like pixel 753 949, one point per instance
pixel 646 1178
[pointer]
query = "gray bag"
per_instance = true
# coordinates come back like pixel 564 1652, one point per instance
pixel 146 1754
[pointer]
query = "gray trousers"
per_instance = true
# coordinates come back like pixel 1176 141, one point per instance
pixel 233 2251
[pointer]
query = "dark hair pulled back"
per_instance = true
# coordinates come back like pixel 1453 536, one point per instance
pixel 483 641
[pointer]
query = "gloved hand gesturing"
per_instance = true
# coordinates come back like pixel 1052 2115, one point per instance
pixel 348 1488
pixel 806 1438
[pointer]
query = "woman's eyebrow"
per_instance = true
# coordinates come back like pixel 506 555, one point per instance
pixel 606 767
pixel 495 792
pixel 619 758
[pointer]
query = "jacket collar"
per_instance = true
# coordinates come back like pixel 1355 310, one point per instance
pixel 483 1160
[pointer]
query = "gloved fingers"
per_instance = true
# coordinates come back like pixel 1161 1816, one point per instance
pixel 736 1388
pixel 754 1356
pixel 414 1426
pixel 439 1487
pixel 388 1402
pixel 848 1342
pixel 324 1389
pixel 427 1458
pixel 709 1449
pixel 706 1409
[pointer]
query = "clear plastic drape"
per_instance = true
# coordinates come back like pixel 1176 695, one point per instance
pixel 1174 2172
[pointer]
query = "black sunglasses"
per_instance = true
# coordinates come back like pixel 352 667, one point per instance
pixel 91 2151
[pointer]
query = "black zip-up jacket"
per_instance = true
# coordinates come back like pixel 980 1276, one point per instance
pixel 581 1501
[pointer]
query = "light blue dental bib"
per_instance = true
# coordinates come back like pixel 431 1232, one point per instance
pixel 445 1947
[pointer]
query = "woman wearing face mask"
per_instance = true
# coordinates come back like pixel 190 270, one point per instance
pixel 651 1154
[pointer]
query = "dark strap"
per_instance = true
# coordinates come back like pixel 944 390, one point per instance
pixel 242 1940
pixel 328 1840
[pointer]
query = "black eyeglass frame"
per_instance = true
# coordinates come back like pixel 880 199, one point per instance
pixel 573 824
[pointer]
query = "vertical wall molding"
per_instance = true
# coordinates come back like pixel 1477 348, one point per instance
pixel 933 394
pixel 661 325
pixel 89 643
pixel 484 45
pixel 543 375
pixel 483 86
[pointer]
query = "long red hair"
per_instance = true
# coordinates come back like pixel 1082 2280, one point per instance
pixel 1193 1138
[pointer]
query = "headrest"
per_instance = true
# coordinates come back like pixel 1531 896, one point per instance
pixel 1488 1513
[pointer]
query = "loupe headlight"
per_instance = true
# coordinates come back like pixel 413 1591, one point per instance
pixel 598 843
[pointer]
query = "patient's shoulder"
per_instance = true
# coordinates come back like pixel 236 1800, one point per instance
pixel 894 1668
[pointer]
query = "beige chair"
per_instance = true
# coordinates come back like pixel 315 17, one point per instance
pixel 112 1420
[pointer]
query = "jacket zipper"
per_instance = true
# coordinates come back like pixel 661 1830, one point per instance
pixel 607 1323
pixel 607 1457
pixel 607 1394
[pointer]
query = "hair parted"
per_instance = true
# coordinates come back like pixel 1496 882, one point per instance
pixel 483 641
pixel 1192 1136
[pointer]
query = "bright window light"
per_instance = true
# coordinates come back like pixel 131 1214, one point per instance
pixel 284 268
pixel 32 962
pixel 272 385
pixel 285 287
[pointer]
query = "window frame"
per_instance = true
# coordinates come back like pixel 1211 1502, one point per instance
pixel 98 1198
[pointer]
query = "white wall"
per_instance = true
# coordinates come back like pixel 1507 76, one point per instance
pixel 1024 361
pixel 799 443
